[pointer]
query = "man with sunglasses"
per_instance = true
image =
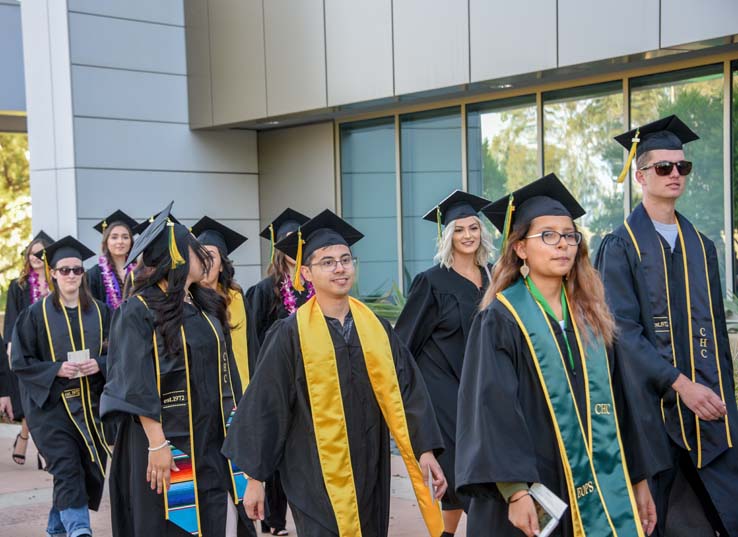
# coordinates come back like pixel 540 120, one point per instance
pixel 332 382
pixel 662 283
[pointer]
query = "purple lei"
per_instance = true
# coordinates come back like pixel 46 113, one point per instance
pixel 113 295
pixel 34 287
pixel 288 295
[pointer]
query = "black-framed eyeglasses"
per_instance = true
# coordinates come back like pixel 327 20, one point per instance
pixel 552 238
pixel 329 264
pixel 77 271
pixel 664 167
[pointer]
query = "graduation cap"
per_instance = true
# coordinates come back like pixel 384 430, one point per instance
pixel 287 222
pixel 458 204
pixel 666 133
pixel 44 237
pixel 141 227
pixel 546 196
pixel 61 249
pixel 159 238
pixel 117 217
pixel 326 229
pixel 212 233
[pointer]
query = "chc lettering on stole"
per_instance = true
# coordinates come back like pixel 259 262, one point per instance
pixel 703 342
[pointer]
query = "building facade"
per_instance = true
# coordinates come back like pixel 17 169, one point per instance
pixel 375 108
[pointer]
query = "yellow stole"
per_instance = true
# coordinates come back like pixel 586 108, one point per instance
pixel 329 420
pixel 239 339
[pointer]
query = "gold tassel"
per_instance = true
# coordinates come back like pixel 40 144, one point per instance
pixel 177 259
pixel 438 220
pixel 49 281
pixel 297 280
pixel 631 155
pixel 508 222
pixel 104 225
pixel 271 242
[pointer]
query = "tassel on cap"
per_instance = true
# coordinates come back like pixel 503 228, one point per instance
pixel 297 280
pixel 438 220
pixel 177 259
pixel 104 225
pixel 271 243
pixel 49 281
pixel 631 156
pixel 508 221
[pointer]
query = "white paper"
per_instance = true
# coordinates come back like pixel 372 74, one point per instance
pixel 551 504
pixel 76 357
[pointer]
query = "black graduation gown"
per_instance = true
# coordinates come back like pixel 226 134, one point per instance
pixel 273 428
pixel 504 430
pixel 434 324
pixel 131 391
pixel 78 481
pixel 95 283
pixel 264 307
pixel 626 289
pixel 18 299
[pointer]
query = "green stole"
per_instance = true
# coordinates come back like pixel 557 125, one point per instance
pixel 600 494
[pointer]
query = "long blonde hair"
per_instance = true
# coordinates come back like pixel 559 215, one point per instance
pixel 445 245
pixel 583 287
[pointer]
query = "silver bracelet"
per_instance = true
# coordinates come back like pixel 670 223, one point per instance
pixel 165 444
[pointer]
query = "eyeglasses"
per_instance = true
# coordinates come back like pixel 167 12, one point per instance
pixel 552 238
pixel 329 264
pixel 64 271
pixel 664 167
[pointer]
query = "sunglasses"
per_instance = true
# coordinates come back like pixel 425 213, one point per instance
pixel 664 167
pixel 77 271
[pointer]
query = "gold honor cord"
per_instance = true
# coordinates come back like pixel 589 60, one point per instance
pixel 329 419
pixel 239 336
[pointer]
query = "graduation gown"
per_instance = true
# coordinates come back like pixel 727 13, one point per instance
pixel 505 432
pixel 273 427
pixel 76 464
pixel 627 287
pixel 131 391
pixel 434 324
pixel 264 307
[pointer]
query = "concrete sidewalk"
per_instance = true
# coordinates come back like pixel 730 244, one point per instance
pixel 25 498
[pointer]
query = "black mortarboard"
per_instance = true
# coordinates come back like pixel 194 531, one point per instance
pixel 141 226
pixel 546 196
pixel 118 217
pixel 458 204
pixel 326 229
pixel 44 237
pixel 212 233
pixel 287 222
pixel 666 133
pixel 66 247
pixel 159 239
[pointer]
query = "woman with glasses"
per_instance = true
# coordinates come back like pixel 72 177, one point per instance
pixel 436 318
pixel 27 289
pixel 58 353
pixel 273 298
pixel 541 401
pixel 107 278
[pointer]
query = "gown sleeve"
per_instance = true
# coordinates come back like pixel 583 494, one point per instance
pixel 415 324
pixel 726 358
pixel 131 376
pixel 258 432
pixel 258 302
pixel 252 336
pixel 617 267
pixel 421 418
pixel 493 441
pixel 36 374
pixel 13 307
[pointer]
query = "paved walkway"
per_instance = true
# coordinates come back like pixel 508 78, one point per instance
pixel 25 498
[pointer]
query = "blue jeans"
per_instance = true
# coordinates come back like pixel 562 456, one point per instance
pixel 72 522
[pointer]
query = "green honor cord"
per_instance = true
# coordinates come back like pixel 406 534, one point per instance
pixel 547 308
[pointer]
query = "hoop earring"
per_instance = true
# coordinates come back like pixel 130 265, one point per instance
pixel 524 269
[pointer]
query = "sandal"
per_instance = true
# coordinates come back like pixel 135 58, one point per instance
pixel 18 458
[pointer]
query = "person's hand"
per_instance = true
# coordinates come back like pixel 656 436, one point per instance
pixel 89 367
pixel 428 463
pixel 68 370
pixel 158 472
pixel 646 507
pixel 701 400
pixel 6 407
pixel 253 500
pixel 522 513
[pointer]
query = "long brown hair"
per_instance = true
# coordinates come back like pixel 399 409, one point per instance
pixel 277 270
pixel 583 287
pixel 26 271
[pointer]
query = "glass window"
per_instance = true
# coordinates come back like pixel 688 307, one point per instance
pixel 696 96
pixel 431 169
pixel 502 145
pixel 368 187
pixel 578 129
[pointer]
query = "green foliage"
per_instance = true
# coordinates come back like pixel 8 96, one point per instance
pixel 15 207
pixel 388 304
